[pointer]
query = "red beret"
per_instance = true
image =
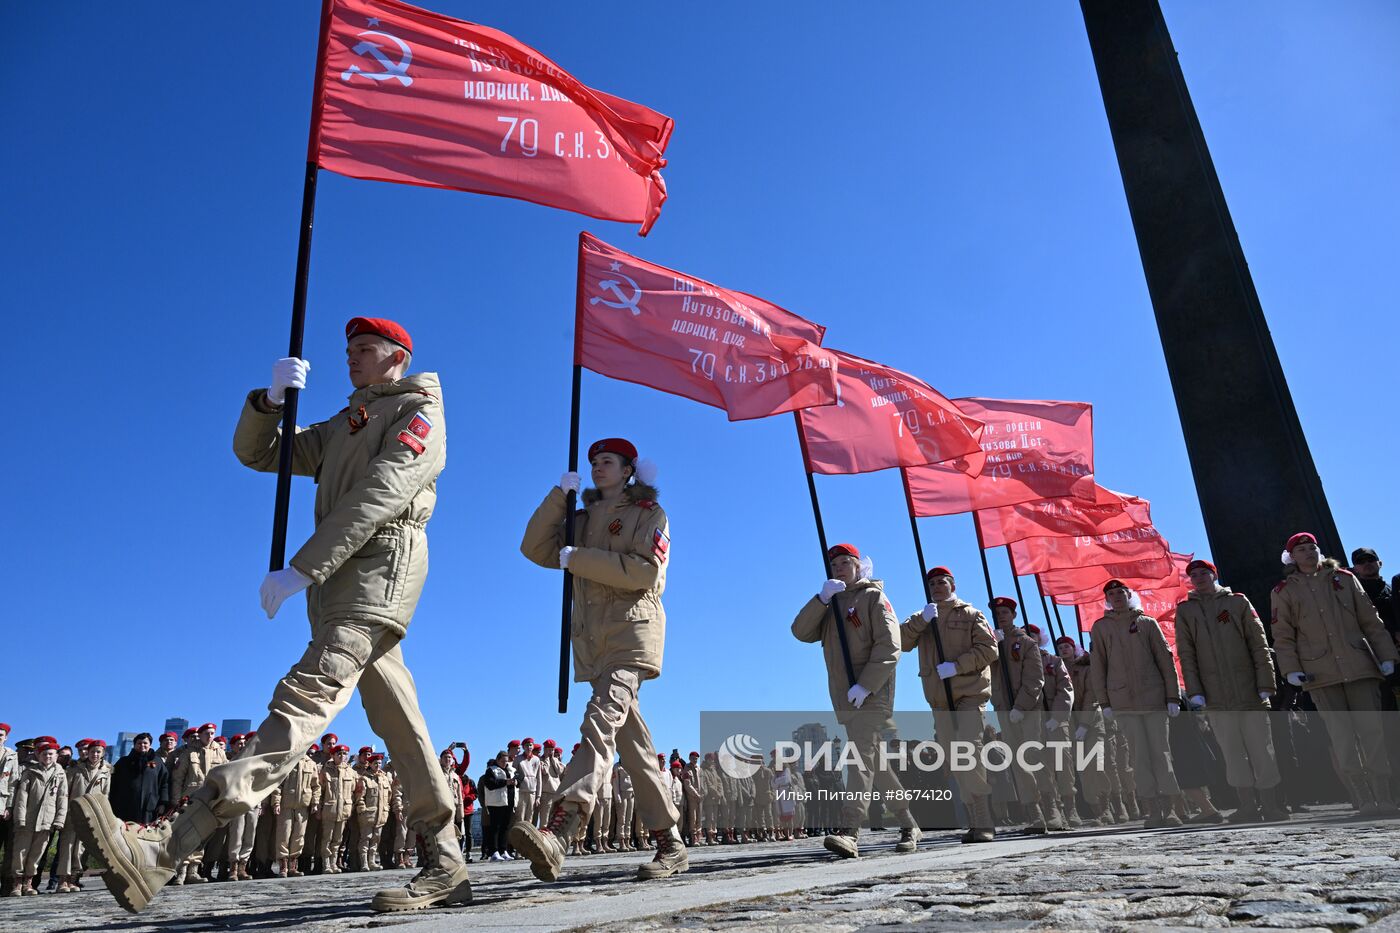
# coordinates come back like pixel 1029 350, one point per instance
pixel 171 734
pixel 938 572
pixel 1065 640
pixel 48 738
pixel 677 764
pixel 660 756
pixel 191 731
pixel 81 744
pixel 548 743
pixel 220 740
pixel 576 745
pixel 1033 630
pixel 341 748
pixel 100 743
pixel 237 736
pixel 513 743
pixel 694 754
pixel 377 756
pixel 1005 602
pixel 5 727
pixel 1301 537
pixel 210 726
pixel 613 445
pixel 1114 585
pixel 330 738
pixel 366 749
pixel 836 550
pixel 527 739
pixel 314 747
pixel 250 735
pixel 1201 565
pixel 379 327
pixel 45 746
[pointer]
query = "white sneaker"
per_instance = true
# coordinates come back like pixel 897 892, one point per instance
pixel 495 857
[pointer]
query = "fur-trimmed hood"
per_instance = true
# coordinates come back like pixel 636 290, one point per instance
pixel 636 492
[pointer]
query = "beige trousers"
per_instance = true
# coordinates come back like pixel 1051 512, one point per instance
pixel 1247 743
pixel 613 725
pixel 1152 756
pixel 1352 714
pixel 70 852
pixel 341 656
pixel 964 724
pixel 864 732
pixel 26 849
pixel 291 832
pixel 241 833
pixel 332 833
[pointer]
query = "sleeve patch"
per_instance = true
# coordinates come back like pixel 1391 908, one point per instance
pixel 420 427
pixel 660 544
pixel 412 443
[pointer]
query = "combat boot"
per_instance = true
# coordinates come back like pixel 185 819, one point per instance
pixel 192 875
pixel 1120 809
pixel 909 833
pixel 442 880
pixel 671 858
pixel 141 859
pixel 1382 805
pixel 980 816
pixel 545 848
pixel 1054 820
pixel 1248 811
pixel 1070 809
pixel 1134 811
pixel 843 843
pixel 1270 809
pixel 1167 818
pixel 1035 820
pixel 27 887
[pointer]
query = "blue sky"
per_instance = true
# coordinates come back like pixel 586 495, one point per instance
pixel 934 182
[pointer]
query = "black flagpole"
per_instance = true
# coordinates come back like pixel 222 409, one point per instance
pixel 1001 642
pixel 566 617
pixel 826 560
pixel 923 575
pixel 1046 609
pixel 287 444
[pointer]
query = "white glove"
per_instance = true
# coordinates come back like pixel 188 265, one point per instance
pixel 1199 701
pixel 1265 696
pixel 1108 713
pixel 1387 668
pixel 287 373
pixel 1297 678
pixel 280 584
pixel 829 589
pixel 1016 715
pixel 1001 635
pixel 1051 725
pixel 1080 733
pixel 1173 708
pixel 930 612
pixel 947 669
pixel 570 482
pixel 564 554
pixel 856 695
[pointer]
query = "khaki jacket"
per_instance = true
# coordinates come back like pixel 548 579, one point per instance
pixel 1224 653
pixel 9 775
pixel 1026 668
pixel 763 786
pixel 551 774
pixel 619 571
pixel 84 779
pixel 376 486
pixel 872 636
pixel 1086 708
pixel 710 783
pixel 1058 697
pixel 41 799
pixel 374 793
pixel 454 790
pixel 337 791
pixel 1324 625
pixel 192 766
pixel 1131 666
pixel 967 641
pixel 301 788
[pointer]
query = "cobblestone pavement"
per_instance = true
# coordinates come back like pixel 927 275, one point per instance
pixel 1317 873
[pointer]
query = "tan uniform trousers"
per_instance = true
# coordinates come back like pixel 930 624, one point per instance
pixel 1095 783
pixel 692 815
pixel 602 819
pixel 370 836
pixel 763 814
pixel 622 819
pixel 1351 711
pixel 709 814
pixel 613 724
pixel 1061 768
pixel 242 830
pixel 332 834
pixel 291 832
pixel 26 849
pixel 70 852
pixel 1247 743
pixel 525 805
pixel 341 656
pixel 964 724
pixel 1152 757
pixel 1030 785
pixel 864 732
pixel 1121 756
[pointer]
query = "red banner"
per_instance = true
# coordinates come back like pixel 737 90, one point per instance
pixel 1037 555
pixel 1063 516
pixel 1075 585
pixel 884 418
pixel 1029 450
pixel 411 96
pixel 644 323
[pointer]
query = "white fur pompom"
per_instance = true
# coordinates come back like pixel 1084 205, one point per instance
pixel 646 470
pixel 1134 601
pixel 1287 558
pixel 867 568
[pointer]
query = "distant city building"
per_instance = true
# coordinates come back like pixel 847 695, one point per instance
pixel 122 746
pixel 234 727
pixel 176 725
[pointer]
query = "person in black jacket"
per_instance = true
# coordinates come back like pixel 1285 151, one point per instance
pixel 140 784
pixel 498 785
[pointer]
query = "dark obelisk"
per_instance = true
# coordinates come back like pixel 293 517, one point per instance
pixel 1254 475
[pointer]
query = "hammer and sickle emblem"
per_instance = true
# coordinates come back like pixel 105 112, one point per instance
pixel 623 301
pixel 397 69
